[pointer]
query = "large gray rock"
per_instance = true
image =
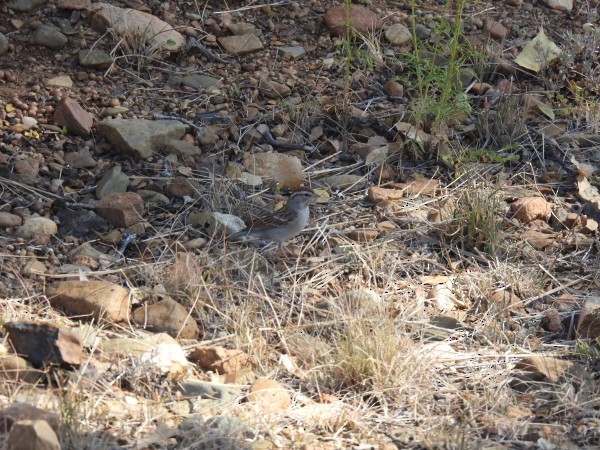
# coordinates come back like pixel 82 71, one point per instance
pixel 139 137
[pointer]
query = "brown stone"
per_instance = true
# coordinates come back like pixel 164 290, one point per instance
pixel 361 20
pixel 94 299
pixel 73 117
pixel 122 210
pixel 220 360
pixel 589 320
pixel 269 395
pixel 169 317
pixel 528 209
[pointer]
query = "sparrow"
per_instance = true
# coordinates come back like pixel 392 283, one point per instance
pixel 281 225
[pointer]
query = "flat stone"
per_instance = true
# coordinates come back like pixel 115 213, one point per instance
pixel 138 137
pixel 588 326
pixel 276 167
pixel 63 81
pixel 74 4
pixel 240 45
pixel 295 52
pixel 94 299
pixel 82 159
pixel 95 58
pixel 199 82
pixel 157 33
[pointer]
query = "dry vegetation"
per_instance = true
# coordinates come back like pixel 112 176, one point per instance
pixel 413 338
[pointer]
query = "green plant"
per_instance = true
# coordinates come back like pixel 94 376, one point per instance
pixel 435 69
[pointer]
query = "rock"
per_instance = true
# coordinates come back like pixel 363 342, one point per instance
pixel 589 225
pixel 87 256
pixel 274 90
pixel 220 360
pixel 95 58
pixel 74 4
pixel 528 209
pixel 167 316
pixel 8 220
pixel 240 45
pixel 122 210
pixel 205 389
pixel 552 321
pixel 398 34
pixel 70 114
pixel 275 167
pixel 25 411
pixel 200 82
pixel 588 326
pixel 82 159
pixel 560 5
pixel 131 24
pixel 495 29
pixel 37 226
pixel 362 20
pixel 33 267
pixel 62 81
pixel 393 88
pixel 94 299
pixel 81 224
pixel 43 343
pixel 50 37
pixel 183 149
pixel 114 181
pixel 4 45
pixel 346 181
pixel 294 53
pixel 15 368
pixel 28 169
pixel 422 32
pixel 32 435
pixel 154 199
pixel 138 137
pixel 159 350
pixel 25 5
pixel 269 395
pixel 239 29
pixel 181 187
pixel 211 223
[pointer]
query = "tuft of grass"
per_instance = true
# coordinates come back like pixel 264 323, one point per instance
pixel 476 223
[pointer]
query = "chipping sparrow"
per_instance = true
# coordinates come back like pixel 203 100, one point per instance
pixel 283 224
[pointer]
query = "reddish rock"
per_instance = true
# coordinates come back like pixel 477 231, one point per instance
pixel 169 317
pixel 589 321
pixel 269 395
pixel 528 209
pixel 25 411
pixel 122 210
pixel 73 117
pixel 32 435
pixel 361 20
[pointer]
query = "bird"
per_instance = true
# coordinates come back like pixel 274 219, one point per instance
pixel 281 225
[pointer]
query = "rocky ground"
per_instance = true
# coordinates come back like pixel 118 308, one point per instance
pixel 444 295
